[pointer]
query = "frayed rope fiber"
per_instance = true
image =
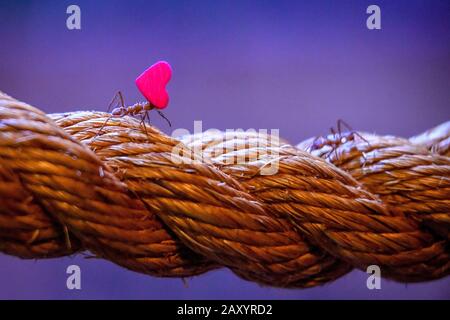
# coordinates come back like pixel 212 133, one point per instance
pixel 65 187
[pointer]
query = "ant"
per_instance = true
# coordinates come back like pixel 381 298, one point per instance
pixel 139 108
pixel 337 138
pixel 151 83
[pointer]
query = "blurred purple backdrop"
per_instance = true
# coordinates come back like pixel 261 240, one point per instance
pixel 296 66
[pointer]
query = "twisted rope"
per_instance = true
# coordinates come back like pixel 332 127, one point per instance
pixel 123 195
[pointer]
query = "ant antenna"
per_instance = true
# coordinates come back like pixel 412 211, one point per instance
pixel 341 123
pixel 119 96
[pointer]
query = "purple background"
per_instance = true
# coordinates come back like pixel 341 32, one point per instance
pixel 297 66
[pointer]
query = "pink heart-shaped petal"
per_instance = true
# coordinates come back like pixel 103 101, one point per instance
pixel 152 84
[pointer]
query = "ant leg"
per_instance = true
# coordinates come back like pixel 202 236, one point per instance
pixel 339 127
pixel 101 128
pixel 118 97
pixel 334 133
pixel 334 145
pixel 356 133
pixel 122 101
pixel 317 143
pixel 341 123
pixel 336 153
pixel 363 154
pixel 362 138
pixel 164 117
pixel 143 122
pixel 345 124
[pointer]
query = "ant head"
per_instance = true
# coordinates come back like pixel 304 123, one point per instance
pixel 318 143
pixel 117 111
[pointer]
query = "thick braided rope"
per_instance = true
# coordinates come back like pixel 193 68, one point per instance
pixel 123 195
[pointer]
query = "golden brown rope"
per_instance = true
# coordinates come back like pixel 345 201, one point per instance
pixel 123 195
